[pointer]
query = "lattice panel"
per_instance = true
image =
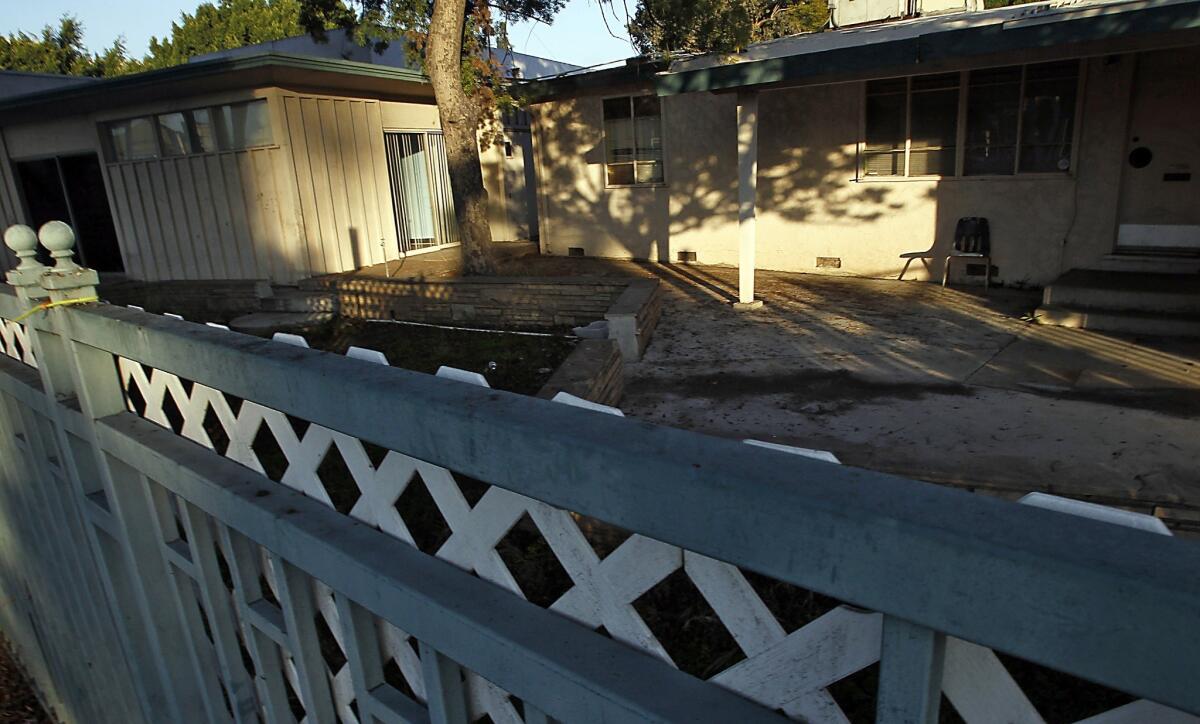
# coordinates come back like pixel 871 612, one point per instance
pixel 606 587
pixel 14 342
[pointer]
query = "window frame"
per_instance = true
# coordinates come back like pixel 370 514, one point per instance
pixel 604 144
pixel 961 135
pixel 193 138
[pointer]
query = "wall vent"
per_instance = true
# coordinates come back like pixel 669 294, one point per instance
pixel 829 262
pixel 575 251
pixel 686 256
pixel 978 270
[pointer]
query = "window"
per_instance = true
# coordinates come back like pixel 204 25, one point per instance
pixel 633 141
pixel 933 125
pixel 200 130
pixel 993 100
pixel 912 126
pixel 1019 119
pixel 243 125
pixel 204 134
pixel 133 139
pixel 173 134
pixel 887 106
pixel 1048 116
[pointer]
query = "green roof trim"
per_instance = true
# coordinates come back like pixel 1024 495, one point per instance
pixel 938 45
pixel 209 68
pixel 545 89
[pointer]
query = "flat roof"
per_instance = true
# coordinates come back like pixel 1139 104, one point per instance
pixel 1069 27
pixel 257 70
pixel 927 40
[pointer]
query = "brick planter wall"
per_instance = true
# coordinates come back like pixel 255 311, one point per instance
pixel 523 302
pixel 593 371
pixel 207 299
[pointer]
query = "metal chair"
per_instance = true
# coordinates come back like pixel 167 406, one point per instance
pixel 972 240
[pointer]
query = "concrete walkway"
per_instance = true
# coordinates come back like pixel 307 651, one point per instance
pixel 949 386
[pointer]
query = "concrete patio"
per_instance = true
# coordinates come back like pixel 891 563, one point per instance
pixel 946 385
pixel 955 386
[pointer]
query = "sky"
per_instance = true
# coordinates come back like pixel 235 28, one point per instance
pixel 578 35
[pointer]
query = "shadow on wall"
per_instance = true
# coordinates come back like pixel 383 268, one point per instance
pixel 697 207
pixel 811 204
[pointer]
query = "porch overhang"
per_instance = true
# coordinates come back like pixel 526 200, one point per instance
pixel 939 42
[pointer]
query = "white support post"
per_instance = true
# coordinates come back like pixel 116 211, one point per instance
pixel 747 145
pixel 910 673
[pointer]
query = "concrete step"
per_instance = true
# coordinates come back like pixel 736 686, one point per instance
pixel 1151 263
pixel 1125 291
pixel 1120 320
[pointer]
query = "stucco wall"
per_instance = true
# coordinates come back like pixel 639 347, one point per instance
pixel 578 210
pixel 810 203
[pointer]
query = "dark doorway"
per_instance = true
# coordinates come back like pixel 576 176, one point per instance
pixel 71 189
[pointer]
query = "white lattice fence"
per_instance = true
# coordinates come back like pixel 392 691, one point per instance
pixel 14 342
pixel 606 571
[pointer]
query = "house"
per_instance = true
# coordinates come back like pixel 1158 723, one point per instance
pixel 1070 126
pixel 855 12
pixel 252 164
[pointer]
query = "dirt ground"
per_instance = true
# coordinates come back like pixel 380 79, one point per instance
pixel 946 385
pixel 956 386
pixel 18 703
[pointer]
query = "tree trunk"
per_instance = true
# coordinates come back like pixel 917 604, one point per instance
pixel 461 117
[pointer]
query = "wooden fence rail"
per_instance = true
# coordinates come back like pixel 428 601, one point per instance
pixel 198 525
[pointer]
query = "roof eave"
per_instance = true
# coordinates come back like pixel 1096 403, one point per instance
pixel 934 47
pixel 80 96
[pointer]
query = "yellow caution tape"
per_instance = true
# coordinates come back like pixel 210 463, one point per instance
pixel 61 303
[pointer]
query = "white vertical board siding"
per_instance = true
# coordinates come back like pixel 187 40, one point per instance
pixel 205 216
pixel 10 204
pixel 345 209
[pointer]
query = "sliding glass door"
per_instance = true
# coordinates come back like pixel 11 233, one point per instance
pixel 420 183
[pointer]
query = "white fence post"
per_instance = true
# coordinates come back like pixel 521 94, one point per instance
pixel 138 578
pixel 910 673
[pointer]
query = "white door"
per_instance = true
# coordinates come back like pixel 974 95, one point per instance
pixel 1160 189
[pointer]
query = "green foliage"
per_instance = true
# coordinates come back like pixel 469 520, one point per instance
pixel 61 50
pixel 380 22
pixel 224 25
pixel 696 26
pixel 210 27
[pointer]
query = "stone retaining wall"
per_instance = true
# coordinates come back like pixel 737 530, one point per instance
pixel 210 300
pixel 520 302
pixel 593 371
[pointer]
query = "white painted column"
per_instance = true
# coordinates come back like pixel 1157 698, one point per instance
pixel 747 145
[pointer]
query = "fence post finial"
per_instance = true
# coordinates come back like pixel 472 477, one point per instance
pixel 22 240
pixel 66 280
